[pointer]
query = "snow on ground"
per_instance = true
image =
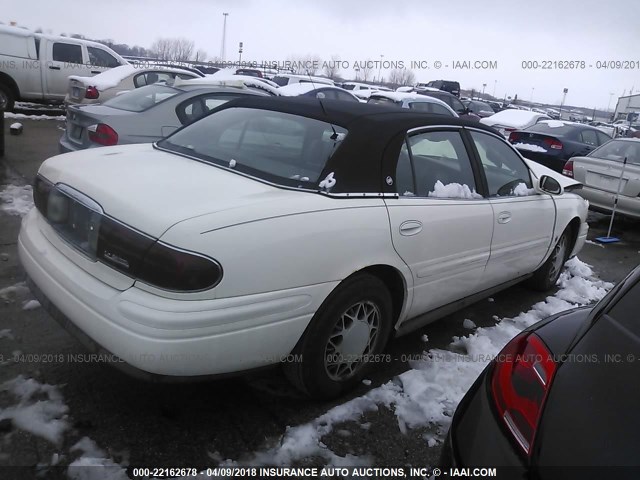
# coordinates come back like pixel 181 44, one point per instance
pixel 16 199
pixel 6 333
pixel 529 147
pixel 427 395
pixel 93 456
pixel 23 116
pixel 40 408
pixel 453 190
pixel 594 243
pixel 15 125
pixel 31 305
pixel 9 294
pixel 469 324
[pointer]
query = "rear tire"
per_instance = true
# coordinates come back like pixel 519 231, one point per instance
pixel 351 326
pixel 547 275
pixel 7 99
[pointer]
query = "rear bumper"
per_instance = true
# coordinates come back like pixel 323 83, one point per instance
pixel 166 336
pixel 602 201
pixel 65 146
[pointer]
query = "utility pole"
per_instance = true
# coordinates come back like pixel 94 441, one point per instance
pixel 224 36
pixel 380 69
pixel 564 97
pixel 240 53
pixel 495 83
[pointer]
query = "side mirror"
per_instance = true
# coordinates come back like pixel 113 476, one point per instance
pixel 550 185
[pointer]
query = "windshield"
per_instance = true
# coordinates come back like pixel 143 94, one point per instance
pixel 382 101
pixel 617 150
pixel 142 98
pixel 277 147
pixel 347 86
pixel 281 81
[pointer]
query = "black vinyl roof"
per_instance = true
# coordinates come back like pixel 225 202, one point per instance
pixel 374 132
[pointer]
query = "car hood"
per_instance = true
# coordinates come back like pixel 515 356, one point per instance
pixel 540 170
pixel 152 190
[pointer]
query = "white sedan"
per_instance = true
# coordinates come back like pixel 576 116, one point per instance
pixel 510 120
pixel 102 87
pixel 292 230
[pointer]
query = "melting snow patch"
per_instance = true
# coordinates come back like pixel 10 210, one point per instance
pixel 469 324
pixel 521 190
pixel 9 294
pixel 31 305
pixel 529 147
pixel 16 199
pixel 328 182
pixel 425 338
pixel 6 333
pixel 366 382
pixel 596 244
pixel 40 409
pixel 93 456
pixel 453 190
pixel 490 300
pixel 22 116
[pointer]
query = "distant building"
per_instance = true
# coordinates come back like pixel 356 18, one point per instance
pixel 628 104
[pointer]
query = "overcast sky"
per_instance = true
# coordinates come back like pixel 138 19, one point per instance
pixel 506 31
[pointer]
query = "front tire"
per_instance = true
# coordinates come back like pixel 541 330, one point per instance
pixel 351 326
pixel 547 275
pixel 7 100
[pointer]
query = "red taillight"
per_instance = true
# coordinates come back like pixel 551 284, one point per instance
pixel 91 93
pixel 568 169
pixel 102 134
pixel 520 384
pixel 553 143
pixel 514 137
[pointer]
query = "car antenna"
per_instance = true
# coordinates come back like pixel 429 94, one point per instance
pixel 335 134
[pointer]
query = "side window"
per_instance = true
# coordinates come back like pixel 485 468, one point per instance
pixel 100 58
pixel 67 52
pixel 589 137
pixel 149 78
pixel 420 106
pixel 602 138
pixel 507 174
pixel 439 167
pixel 440 110
pixel 457 105
pixel 345 97
pixel 197 107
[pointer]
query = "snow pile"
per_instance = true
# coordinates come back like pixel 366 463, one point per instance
pixel 6 333
pixel 22 116
pixel 16 199
pixel 15 125
pixel 93 456
pixel 554 123
pixel 40 409
pixel 469 324
pixel 295 89
pixel 522 190
pixel 109 79
pixel 428 394
pixel 31 305
pixel 9 294
pixel 453 190
pixel 529 147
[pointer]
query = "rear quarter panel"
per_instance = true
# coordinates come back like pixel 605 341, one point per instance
pixel 319 240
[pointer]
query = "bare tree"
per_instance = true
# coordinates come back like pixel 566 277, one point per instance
pixel 366 69
pixel 173 49
pixel 332 67
pixel 401 77
pixel 201 56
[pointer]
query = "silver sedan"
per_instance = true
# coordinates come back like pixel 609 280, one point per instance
pixel 601 173
pixel 144 115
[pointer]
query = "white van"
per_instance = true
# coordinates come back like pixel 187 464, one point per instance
pixel 289 79
pixel 35 67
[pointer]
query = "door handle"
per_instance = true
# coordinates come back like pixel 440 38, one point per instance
pixel 96 71
pixel 410 227
pixel 51 67
pixel 504 217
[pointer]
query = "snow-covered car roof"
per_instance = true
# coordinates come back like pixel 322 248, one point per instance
pixel 296 89
pixel 400 96
pixel 237 81
pixel 114 76
pixel 514 118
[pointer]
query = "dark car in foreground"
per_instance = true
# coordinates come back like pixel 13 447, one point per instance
pixel 553 142
pixel 560 394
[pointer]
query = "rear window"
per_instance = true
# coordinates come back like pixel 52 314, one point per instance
pixel 617 150
pixel 278 147
pixel 142 99
pixel 281 81
pixel 382 101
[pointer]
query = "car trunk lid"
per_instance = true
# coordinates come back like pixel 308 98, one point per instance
pixel 151 190
pixel 80 117
pixel 606 175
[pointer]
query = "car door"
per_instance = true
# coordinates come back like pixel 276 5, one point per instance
pixel 439 226
pixel 100 60
pixel 523 219
pixel 65 59
pixel 589 140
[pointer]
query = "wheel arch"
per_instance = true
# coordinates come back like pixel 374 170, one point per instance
pixel 8 81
